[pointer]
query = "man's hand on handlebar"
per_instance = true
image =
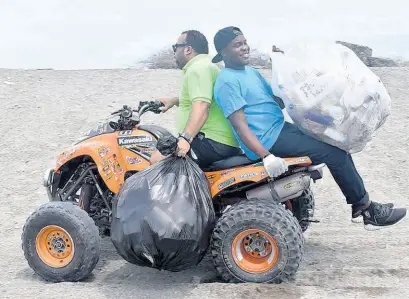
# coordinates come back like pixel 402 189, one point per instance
pixel 168 103
pixel 152 106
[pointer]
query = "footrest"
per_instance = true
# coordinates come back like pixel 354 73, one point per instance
pixel 310 220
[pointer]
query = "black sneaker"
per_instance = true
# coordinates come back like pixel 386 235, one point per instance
pixel 357 214
pixel 378 216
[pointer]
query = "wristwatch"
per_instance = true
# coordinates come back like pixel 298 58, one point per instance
pixel 187 137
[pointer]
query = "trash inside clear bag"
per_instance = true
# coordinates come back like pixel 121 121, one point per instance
pixel 330 94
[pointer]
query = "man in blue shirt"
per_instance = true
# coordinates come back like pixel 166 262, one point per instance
pixel 255 115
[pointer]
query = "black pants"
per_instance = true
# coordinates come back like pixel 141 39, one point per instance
pixel 209 151
pixel 292 143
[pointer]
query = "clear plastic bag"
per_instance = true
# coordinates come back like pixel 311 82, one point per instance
pixel 330 94
pixel 163 217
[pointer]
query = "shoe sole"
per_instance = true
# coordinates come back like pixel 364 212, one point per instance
pixel 371 227
pixel 357 220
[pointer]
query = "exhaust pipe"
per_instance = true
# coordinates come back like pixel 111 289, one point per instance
pixel 283 189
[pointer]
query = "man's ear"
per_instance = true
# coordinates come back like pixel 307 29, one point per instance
pixel 189 50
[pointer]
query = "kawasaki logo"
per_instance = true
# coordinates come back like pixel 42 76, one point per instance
pixel 134 139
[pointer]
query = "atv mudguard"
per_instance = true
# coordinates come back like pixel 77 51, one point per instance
pixel 253 173
pixel 106 156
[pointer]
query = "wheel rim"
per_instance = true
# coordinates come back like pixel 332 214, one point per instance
pixel 54 246
pixel 255 251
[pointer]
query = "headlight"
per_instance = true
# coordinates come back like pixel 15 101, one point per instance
pixel 48 176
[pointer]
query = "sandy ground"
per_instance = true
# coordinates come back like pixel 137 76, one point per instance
pixel 43 111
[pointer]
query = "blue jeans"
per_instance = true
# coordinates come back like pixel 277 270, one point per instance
pixel 293 143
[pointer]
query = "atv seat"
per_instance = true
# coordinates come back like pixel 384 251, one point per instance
pixel 240 160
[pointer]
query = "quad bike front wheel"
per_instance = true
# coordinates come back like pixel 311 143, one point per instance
pixel 257 241
pixel 61 242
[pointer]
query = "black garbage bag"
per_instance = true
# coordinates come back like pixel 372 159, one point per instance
pixel 163 217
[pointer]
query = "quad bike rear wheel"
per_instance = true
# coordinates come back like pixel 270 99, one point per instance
pixel 257 241
pixel 61 242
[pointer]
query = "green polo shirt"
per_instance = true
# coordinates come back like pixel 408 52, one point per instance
pixel 198 81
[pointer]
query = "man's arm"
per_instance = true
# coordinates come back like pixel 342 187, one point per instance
pixel 200 89
pixel 173 100
pixel 197 117
pixel 231 102
pixel 274 166
pixel 239 123
pixel 168 103
pixel 228 97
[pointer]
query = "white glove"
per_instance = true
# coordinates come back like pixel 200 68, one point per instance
pixel 274 166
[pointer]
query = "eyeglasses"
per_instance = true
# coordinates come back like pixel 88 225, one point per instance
pixel 176 46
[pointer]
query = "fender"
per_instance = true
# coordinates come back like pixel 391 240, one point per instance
pixel 105 153
pixel 220 180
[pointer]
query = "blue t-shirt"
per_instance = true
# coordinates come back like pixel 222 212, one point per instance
pixel 248 90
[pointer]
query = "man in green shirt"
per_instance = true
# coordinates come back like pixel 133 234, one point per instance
pixel 201 124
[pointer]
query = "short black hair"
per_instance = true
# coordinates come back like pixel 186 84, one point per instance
pixel 197 41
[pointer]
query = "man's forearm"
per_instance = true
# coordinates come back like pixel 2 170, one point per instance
pixel 251 141
pixel 176 100
pixel 239 123
pixel 197 118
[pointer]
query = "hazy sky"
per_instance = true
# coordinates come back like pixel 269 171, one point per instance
pixel 76 34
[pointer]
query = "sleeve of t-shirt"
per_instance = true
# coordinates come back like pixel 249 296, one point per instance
pixel 228 97
pixel 200 85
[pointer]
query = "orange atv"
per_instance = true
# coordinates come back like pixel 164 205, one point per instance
pixel 258 235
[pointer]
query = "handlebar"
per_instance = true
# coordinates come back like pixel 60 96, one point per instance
pixel 144 106
pixel 116 112
pixel 152 106
pixel 129 118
